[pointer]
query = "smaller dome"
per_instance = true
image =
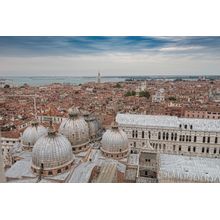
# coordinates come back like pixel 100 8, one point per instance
pixel 73 112
pixel 114 142
pixel 32 133
pixel 76 129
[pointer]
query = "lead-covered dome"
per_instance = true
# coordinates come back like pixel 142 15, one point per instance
pixel 32 133
pixel 114 143
pixel 94 126
pixel 52 154
pixel 76 130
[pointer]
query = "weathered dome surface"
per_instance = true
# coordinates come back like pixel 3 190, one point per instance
pixel 75 128
pixel 53 151
pixel 32 133
pixel 114 140
pixel 93 125
pixel 73 112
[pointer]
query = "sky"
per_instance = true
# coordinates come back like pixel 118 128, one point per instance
pixel 111 56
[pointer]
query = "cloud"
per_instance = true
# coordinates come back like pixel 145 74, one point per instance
pixel 112 55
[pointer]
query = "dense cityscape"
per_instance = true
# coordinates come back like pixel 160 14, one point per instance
pixel 158 121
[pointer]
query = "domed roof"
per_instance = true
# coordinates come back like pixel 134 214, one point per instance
pixel 73 112
pixel 32 133
pixel 75 128
pixel 93 126
pixel 114 140
pixel 52 150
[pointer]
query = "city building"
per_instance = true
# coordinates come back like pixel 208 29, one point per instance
pixel 158 96
pixel 172 135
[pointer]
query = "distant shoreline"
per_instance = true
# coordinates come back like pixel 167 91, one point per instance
pixel 76 80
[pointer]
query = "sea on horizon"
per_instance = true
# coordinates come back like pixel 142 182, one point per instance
pixel 76 80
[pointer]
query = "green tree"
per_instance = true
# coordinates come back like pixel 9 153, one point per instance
pixel 144 94
pixel 118 85
pixel 172 98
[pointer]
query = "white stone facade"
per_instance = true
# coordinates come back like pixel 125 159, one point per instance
pixel 189 137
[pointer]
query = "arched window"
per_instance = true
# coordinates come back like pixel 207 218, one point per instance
pixel 159 135
pixel 167 136
pixel 163 135
pixel 175 136
pixel 216 140
pixel 194 149
pixel 207 150
pixel 203 139
pixel 208 139
pixel 195 138
pixel 214 151
pixel 172 136
pixel 149 134
pixel 142 134
pixel 133 133
pixel 136 133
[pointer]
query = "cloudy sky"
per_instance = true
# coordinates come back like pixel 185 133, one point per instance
pixel 85 56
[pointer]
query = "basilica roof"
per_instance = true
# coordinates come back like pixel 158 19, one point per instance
pixel 32 133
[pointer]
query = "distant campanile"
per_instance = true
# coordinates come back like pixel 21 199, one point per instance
pixel 2 176
pixel 99 78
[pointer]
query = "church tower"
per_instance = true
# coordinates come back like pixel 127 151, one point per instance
pixel 99 78
pixel 2 176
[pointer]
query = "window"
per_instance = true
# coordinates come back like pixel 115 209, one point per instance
pixel 134 144
pixel 167 136
pixel 175 136
pixel 203 150
pixel 133 133
pixel 142 134
pixel 187 138
pixel 180 148
pixel 145 173
pixel 50 172
pixel 195 138
pixel 174 147
pixel 190 138
pixel 180 138
pixel 208 140
pixel 172 136
pixel 183 137
pixel 203 139
pixel 159 135
pixel 216 140
pixel 185 126
pixel 59 171
pixel 214 151
pixel 194 149
pixel 207 150
pixel 163 135
pixel 191 127
pixel 136 133
pixel 180 126
pixel 149 134
pixel 189 149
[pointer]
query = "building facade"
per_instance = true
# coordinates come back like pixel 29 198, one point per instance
pixel 172 135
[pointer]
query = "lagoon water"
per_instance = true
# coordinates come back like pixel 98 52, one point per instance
pixel 46 80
